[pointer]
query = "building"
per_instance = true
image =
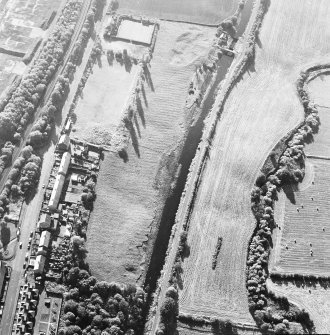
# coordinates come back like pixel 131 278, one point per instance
pixel 56 193
pixel 2 274
pixel 65 162
pixel 44 221
pixel 44 239
pixel 64 142
pixel 39 264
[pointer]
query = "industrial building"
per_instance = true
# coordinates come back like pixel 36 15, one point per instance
pixel 64 142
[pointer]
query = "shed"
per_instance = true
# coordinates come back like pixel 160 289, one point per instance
pixel 64 142
pixel 39 265
pixel 65 162
pixel 56 193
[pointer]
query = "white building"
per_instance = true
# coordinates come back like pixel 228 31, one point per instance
pixel 39 264
pixel 56 193
pixel 65 162
pixel 44 239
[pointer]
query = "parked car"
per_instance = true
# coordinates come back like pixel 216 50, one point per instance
pixel 20 245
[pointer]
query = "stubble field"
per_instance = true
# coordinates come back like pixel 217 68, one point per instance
pixel 207 12
pixel 261 109
pixel 131 194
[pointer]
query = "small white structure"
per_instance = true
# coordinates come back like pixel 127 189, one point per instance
pixel 39 264
pixel 56 193
pixel 65 162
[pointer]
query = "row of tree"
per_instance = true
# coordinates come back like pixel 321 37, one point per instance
pixel 22 178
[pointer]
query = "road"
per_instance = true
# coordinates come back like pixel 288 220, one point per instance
pixel 50 88
pixel 30 212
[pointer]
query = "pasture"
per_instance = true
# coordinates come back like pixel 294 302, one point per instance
pixel 207 11
pixel 131 193
pixel 260 110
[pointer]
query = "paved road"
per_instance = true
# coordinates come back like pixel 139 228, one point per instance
pixel 30 212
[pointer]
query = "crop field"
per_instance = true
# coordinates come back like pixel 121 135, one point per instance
pixel 260 110
pixel 315 299
pixel 305 222
pixel 100 107
pixel 207 11
pixel 21 21
pixel 131 194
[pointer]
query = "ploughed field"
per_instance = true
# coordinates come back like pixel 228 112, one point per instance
pixel 306 229
pixel 131 193
pixel 260 110
pixel 206 11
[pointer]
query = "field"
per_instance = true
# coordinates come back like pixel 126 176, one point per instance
pixel 10 66
pixel 131 194
pixel 260 110
pixel 100 108
pixel 207 11
pixel 304 218
pixel 21 21
pixel 314 299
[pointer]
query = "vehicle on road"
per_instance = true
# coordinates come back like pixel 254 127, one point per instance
pixel 26 256
pixel 20 245
pixel 24 265
pixel 43 185
pixel 31 233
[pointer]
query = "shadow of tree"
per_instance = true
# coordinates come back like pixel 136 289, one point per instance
pixel 5 234
pixel 148 78
pixel 140 110
pixel 289 189
pixel 134 138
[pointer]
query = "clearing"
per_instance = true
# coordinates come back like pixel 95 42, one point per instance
pixel 131 194
pixel 260 110
pixel 206 11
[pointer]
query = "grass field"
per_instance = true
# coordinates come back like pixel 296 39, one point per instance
pixel 9 67
pixel 131 194
pixel 100 108
pixel 207 11
pixel 261 109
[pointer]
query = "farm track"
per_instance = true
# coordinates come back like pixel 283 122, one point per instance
pixel 50 88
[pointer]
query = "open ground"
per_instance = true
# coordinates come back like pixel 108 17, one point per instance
pixel 131 194
pixel 261 109
pixel 206 12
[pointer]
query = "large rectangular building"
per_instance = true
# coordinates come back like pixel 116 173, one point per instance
pixel 56 193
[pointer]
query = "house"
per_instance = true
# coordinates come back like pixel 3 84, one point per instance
pixel 3 271
pixel 56 193
pixel 44 239
pixel 44 221
pixel 39 264
pixel 64 142
pixel 65 162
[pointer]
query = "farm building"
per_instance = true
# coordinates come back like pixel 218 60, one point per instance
pixel 44 239
pixel 56 193
pixel 64 142
pixel 39 264
pixel 65 162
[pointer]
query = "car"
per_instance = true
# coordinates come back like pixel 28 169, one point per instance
pixel 20 245
pixel 43 185
pixel 31 233
pixel 24 265
pixel 26 256
pixel 30 240
pixel 28 246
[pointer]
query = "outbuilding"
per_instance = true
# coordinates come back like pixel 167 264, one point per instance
pixel 39 264
pixel 64 142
